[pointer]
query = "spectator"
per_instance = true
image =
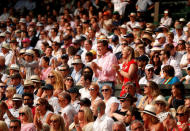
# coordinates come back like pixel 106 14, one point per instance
pixel 166 20
pixel 142 61
pixel 15 125
pixel 16 82
pixel 3 87
pixel 156 62
pixel 106 122
pixel 161 105
pixel 150 76
pixel 10 91
pixel 3 126
pixel 57 123
pixel 25 114
pixel 118 126
pixel 136 125
pixel 151 91
pixel 69 83
pixel 75 96
pixel 78 65
pixel 85 90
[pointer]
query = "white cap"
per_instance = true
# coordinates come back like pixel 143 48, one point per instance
pixel 185 29
pixel 148 66
pixel 160 35
pixel 14 67
pixel 182 19
pixel 160 98
pixel 166 11
pixel 123 26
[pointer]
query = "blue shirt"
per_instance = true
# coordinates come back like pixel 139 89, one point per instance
pixel 172 81
pixel 19 89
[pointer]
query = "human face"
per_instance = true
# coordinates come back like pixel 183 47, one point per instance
pixel 188 48
pixel 128 117
pixel 187 103
pixel 8 93
pixel 54 123
pixel 124 103
pixel 87 46
pixel 69 82
pixel 160 107
pixel 147 89
pixel 40 107
pixel 101 48
pixel 23 116
pixel 125 53
pixel 2 88
pixel 62 101
pixel 149 73
pixel 77 67
pixel 81 114
pixel 162 55
pixel 51 77
pixel 14 126
pixel 175 91
pixel 93 90
pixel 181 116
pixel 146 117
pixel 106 92
pixel 28 101
pixel 156 58
pixel 48 51
pixel 137 127
pixel 117 127
pixel 130 89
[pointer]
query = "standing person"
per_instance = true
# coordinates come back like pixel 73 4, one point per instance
pixel 166 20
pixel 103 69
pixel 129 68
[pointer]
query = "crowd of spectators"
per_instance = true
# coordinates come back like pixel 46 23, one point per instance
pixel 61 62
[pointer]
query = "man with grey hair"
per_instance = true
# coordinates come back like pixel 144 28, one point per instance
pixel 136 125
pixel 118 126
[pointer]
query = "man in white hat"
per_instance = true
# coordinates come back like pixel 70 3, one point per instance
pixel 166 20
pixel 132 22
pixel 77 71
pixel 160 103
pixel 150 75
pixel 5 51
pixel 161 38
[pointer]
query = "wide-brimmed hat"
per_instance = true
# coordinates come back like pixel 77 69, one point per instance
pixel 150 109
pixel 160 98
pixel 149 37
pixel 28 83
pixel 35 78
pixel 77 61
pixel 29 52
pixel 14 67
pixel 17 97
pixel 5 45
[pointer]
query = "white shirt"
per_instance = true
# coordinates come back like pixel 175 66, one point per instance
pixel 116 48
pixel 184 60
pixel 14 112
pixel 166 21
pixel 84 93
pixel 70 111
pixel 76 105
pixel 177 57
pixel 54 102
pixel 103 123
pixel 109 104
pixel 155 78
pixel 8 57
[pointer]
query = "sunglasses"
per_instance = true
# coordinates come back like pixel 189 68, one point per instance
pixel 161 104
pixel 91 89
pixel 180 114
pixel 69 79
pixel 38 104
pixel 122 100
pixel 81 110
pixel 13 127
pixel 63 70
pixel 21 114
pixel 150 70
pixel 53 121
pixel 105 90
pixel 51 76
pixel 2 86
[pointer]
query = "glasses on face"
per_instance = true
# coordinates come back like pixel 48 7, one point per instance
pixel 38 104
pixel 124 44
pixel 105 90
pixel 69 79
pixel 161 54
pixel 13 127
pixel 180 114
pixel 81 110
pixel 53 121
pixel 151 70
pixel 51 76
pixel 2 86
pixel 122 100
pixel 91 89
pixel 160 104
pixel 63 70
pixel 21 114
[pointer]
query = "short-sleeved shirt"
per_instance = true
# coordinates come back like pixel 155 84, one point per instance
pixel 143 5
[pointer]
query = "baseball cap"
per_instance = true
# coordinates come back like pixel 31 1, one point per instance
pixel 160 35
pixel 85 102
pixel 143 58
pixel 149 66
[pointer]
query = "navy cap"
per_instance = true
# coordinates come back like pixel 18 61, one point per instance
pixel 130 35
pixel 158 30
pixel 64 56
pixel 115 38
pixel 48 87
pixel 73 90
pixel 128 96
pixel 85 102
pixel 143 58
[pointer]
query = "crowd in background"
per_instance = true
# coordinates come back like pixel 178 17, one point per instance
pixel 63 61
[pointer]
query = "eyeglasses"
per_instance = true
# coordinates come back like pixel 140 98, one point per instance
pixel 51 76
pixel 13 127
pixel 105 90
pixel 63 70
pixel 69 79
pixel 81 110
pixel 122 100
pixel 53 121
pixel 151 70
pixel 38 104
pixel 91 89
pixel 124 44
pixel 2 86
pixel 21 114
pixel 180 114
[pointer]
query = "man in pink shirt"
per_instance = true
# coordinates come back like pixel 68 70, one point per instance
pixel 103 69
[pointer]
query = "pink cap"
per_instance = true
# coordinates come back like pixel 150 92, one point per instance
pixel 26 40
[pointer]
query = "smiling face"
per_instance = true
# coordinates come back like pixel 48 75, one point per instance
pixel 106 92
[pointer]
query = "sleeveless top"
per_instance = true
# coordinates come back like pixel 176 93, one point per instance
pixel 45 116
pixel 125 68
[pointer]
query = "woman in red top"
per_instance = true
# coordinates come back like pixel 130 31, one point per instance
pixel 129 68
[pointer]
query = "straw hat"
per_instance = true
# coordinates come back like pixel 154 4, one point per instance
pixel 150 109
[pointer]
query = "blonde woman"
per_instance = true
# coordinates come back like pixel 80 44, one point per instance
pixel 84 120
pixel 151 91
pixel 10 91
pixel 57 123
pixel 55 78
pixel 3 126
pixel 26 117
pixel 129 68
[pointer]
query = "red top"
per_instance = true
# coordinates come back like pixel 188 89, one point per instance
pixel 125 68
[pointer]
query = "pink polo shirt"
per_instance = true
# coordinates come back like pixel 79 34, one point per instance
pixel 106 62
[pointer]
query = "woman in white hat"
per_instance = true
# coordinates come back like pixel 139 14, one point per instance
pixel 151 122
